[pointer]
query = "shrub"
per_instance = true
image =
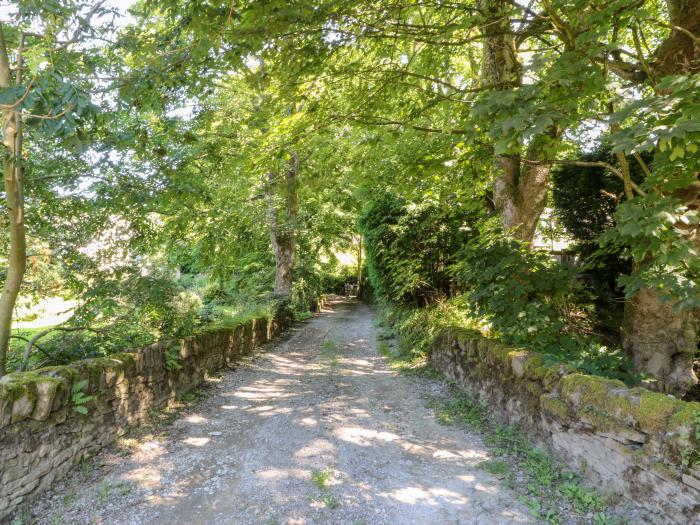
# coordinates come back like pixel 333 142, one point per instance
pixel 528 301
pixel 410 246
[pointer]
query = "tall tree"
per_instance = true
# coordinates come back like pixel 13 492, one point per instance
pixel 661 325
pixel 14 196
pixel 284 205
pixel 48 97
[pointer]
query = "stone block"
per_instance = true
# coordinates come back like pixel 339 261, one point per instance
pixel 517 362
pixel 22 407
pixel 45 391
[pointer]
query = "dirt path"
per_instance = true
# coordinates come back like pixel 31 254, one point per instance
pixel 317 429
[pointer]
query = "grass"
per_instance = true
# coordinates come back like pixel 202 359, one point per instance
pixel 544 483
pixel 28 333
pixel 329 350
pixel 320 478
pixel 302 316
pixel 497 467
pixel 330 501
pixel 103 492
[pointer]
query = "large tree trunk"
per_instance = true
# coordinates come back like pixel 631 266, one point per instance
pixel 660 339
pixel 282 224
pixel 14 197
pixel 520 187
pixel 520 194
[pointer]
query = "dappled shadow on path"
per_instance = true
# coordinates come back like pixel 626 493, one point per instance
pixel 317 429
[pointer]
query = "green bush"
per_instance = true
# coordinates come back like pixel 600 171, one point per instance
pixel 410 246
pixel 532 301
pixel 521 292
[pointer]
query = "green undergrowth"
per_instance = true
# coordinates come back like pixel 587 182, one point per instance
pixel 416 329
pixel 233 316
pixel 545 485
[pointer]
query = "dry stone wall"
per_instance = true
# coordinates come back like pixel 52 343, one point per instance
pixel 42 436
pixel 636 442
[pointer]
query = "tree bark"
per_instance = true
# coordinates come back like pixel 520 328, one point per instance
pixel 520 194
pixel 661 340
pixel 520 189
pixel 14 196
pixel 283 207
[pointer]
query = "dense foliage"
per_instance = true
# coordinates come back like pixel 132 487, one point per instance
pixel 411 246
pixel 189 162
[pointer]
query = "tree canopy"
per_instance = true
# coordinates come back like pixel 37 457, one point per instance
pixel 167 168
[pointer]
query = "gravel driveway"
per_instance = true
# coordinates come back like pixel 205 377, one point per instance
pixel 315 429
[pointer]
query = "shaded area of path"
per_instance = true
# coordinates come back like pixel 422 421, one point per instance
pixel 316 429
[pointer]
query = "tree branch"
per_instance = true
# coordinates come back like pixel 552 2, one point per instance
pixel 597 164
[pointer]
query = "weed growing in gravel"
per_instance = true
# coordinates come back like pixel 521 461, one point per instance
pixel 103 492
pixel 497 467
pixel 193 396
pixel 460 411
pixel 330 501
pixel 87 466
pixel 123 488
pixel 320 478
pixel 413 364
pixel 68 498
pixel 329 351
pixel 23 517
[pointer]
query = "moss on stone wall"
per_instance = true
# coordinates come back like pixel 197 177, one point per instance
pixel 565 393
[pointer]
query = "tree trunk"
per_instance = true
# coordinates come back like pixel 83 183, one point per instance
pixel 14 196
pixel 661 340
pixel 520 194
pixel 283 216
pixel 520 188
pixel 359 266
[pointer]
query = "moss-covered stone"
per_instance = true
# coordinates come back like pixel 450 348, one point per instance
pixel 500 355
pixel 516 360
pixel 654 411
pixel 19 394
pixel 19 384
pixel 68 374
pixel 604 402
pixel 534 389
pixel 46 389
pixel 554 406
pixel 663 470
pixel 687 416
pixel 129 362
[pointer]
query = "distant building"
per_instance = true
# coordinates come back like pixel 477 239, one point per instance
pixel 551 237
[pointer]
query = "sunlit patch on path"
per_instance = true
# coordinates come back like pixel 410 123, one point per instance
pixel 317 429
